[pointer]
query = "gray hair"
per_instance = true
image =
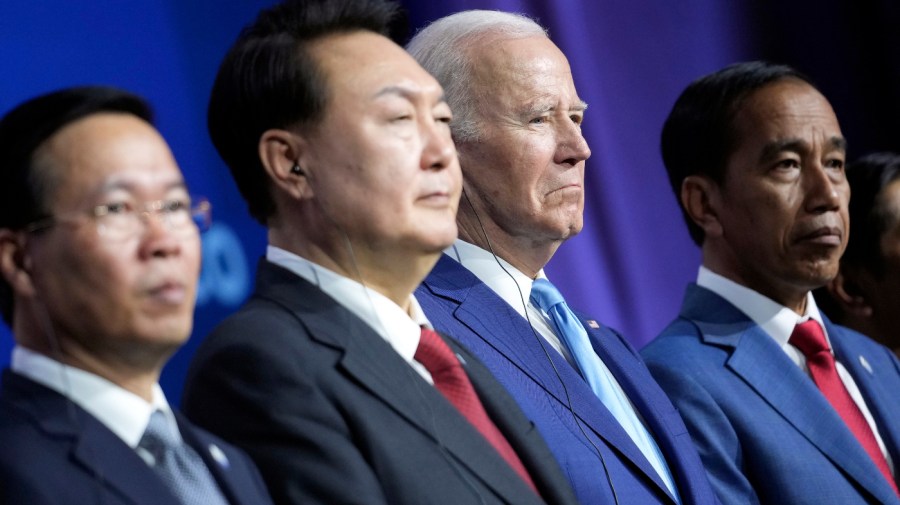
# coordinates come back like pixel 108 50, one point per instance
pixel 443 48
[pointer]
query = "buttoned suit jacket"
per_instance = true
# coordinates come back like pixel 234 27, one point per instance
pixel 765 432
pixel 332 414
pixel 553 394
pixel 52 452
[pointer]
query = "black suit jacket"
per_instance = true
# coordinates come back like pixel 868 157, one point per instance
pixel 53 452
pixel 332 414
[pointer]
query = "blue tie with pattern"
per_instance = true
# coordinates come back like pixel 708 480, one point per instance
pixel 575 338
pixel 179 466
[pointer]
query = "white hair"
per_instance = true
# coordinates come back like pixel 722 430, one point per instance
pixel 443 49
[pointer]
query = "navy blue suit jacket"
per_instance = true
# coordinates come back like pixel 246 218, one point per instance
pixel 765 432
pixel 53 452
pixel 333 415
pixel 545 386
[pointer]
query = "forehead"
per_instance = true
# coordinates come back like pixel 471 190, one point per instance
pixel 104 150
pixel 521 68
pixel 358 65
pixel 787 109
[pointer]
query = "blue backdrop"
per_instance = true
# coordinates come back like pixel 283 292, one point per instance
pixel 630 60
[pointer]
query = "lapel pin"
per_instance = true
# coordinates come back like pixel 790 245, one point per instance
pixel 218 455
pixel 865 363
pixel 461 359
pixel 593 324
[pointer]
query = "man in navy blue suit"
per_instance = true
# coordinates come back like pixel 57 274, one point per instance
pixel 784 406
pixel 99 256
pixel 517 127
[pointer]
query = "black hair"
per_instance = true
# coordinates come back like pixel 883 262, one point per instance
pixel 269 79
pixel 870 217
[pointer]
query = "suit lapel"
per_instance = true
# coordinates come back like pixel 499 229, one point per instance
pixel 758 360
pixel 374 365
pixel 504 329
pixel 93 447
pixel 218 463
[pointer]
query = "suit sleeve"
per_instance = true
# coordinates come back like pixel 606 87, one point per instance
pixel 712 433
pixel 262 395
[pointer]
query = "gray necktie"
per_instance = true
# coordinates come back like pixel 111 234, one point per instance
pixel 179 466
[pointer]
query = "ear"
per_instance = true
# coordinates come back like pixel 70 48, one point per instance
pixel 279 150
pixel 850 295
pixel 15 263
pixel 700 199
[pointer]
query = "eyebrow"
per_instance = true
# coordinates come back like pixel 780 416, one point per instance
pixel 538 108
pixel 796 145
pixel 115 185
pixel 403 92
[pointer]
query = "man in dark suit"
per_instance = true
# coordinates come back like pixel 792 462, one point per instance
pixel 339 142
pixel 99 257
pixel 784 406
pixel 517 127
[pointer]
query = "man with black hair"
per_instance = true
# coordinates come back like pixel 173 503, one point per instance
pixel 99 256
pixel 784 406
pixel 330 376
pixel 865 294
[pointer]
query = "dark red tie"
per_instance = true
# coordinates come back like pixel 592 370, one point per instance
pixel 808 337
pixel 451 380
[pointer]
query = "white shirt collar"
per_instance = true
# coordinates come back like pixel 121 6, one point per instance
pixel 123 412
pixel 509 283
pixel 775 319
pixel 387 319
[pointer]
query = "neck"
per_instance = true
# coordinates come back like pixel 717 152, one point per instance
pixel 527 255
pixel 137 372
pixel 394 272
pixel 784 293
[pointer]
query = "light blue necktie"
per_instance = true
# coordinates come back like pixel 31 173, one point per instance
pixel 575 337
pixel 179 466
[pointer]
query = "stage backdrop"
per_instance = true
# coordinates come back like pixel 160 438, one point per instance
pixel 630 59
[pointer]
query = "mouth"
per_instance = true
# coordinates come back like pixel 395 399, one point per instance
pixel 824 236
pixel 168 293
pixel 436 199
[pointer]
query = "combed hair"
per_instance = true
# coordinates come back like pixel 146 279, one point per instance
pixel 698 136
pixel 268 80
pixel 443 49
pixel 23 130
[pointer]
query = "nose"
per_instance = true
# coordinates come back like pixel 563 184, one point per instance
pixel 572 148
pixel 826 189
pixel 438 148
pixel 158 239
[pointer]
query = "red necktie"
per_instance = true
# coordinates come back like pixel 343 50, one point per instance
pixel 451 380
pixel 808 337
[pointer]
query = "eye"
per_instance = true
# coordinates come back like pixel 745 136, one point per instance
pixel 113 209
pixel 174 205
pixel 538 120
pixel 787 163
pixel 835 163
pixel 577 118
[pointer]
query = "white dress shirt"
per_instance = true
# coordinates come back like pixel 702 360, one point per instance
pixel 122 411
pixel 778 322
pixel 386 318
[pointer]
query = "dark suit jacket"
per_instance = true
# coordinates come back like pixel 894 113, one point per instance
pixel 544 384
pixel 765 432
pixel 53 452
pixel 332 414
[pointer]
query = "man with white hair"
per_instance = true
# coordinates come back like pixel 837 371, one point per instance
pixel 517 127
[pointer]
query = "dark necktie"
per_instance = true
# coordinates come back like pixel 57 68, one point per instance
pixel 809 338
pixel 451 380
pixel 179 466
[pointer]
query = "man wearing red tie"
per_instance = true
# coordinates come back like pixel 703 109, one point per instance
pixel 330 376
pixel 784 406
